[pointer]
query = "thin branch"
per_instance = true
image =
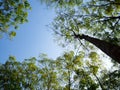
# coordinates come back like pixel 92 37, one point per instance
pixel 99 82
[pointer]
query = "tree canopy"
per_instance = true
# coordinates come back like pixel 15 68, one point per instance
pixel 96 21
pixel 12 13
pixel 69 71
pixel 96 18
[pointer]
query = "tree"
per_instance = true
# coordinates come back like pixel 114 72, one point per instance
pixel 12 13
pixel 98 19
pixel 31 74
pixel 15 75
pixel 11 74
pixel 65 67
pixel 48 74
pixel 79 73
pixel 110 49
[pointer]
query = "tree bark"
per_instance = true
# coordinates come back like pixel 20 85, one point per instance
pixel 111 50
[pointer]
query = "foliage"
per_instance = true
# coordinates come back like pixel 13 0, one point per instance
pixel 48 74
pixel 82 70
pixel 96 18
pixel 75 72
pixel 111 79
pixel 68 72
pixel 15 75
pixel 12 13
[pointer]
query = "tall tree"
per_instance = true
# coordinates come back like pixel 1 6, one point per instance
pixel 96 18
pixel 76 72
pixel 10 77
pixel 110 49
pixel 16 75
pixel 48 74
pixel 12 13
pixel 65 67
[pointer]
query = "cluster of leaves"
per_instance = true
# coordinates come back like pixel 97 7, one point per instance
pixel 60 3
pixel 67 72
pixel 12 13
pixel 111 79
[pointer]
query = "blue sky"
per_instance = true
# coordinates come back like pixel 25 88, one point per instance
pixel 33 38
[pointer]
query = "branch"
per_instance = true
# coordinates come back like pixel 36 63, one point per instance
pixel 99 81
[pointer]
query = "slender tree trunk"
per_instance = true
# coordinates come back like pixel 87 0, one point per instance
pixel 69 80
pixel 99 82
pixel 110 49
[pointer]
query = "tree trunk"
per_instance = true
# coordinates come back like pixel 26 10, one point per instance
pixel 110 49
pixel 69 81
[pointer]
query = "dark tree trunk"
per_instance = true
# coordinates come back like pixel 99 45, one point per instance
pixel 110 49
pixel 69 81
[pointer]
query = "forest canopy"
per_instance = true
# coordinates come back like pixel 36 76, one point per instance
pixel 83 24
pixel 67 72
pixel 95 18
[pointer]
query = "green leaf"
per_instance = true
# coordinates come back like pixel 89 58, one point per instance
pixel 12 58
pixel 93 55
pixel 12 34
